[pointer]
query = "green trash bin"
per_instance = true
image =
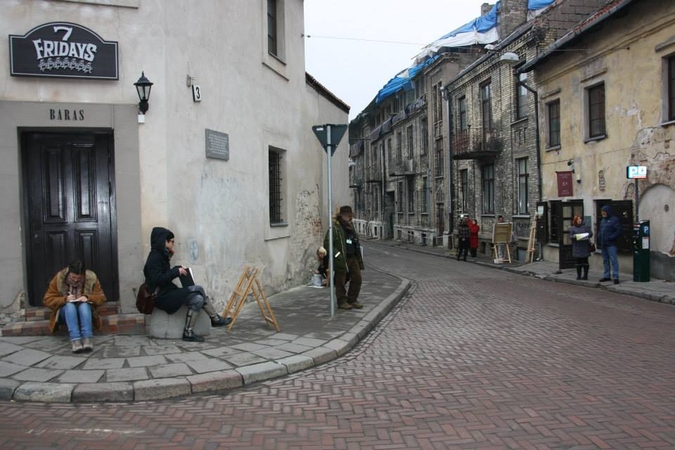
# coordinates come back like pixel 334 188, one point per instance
pixel 641 251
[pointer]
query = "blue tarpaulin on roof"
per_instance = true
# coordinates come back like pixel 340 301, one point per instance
pixel 482 30
pixel 403 80
pixel 538 4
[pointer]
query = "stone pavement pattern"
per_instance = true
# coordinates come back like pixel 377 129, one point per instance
pixel 126 368
pixel 472 358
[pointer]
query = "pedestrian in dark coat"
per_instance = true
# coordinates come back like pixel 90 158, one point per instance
pixel 608 233
pixel 474 228
pixel 347 259
pixel 581 235
pixel 159 276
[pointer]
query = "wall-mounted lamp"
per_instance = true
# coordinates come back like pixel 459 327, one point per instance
pixel 510 58
pixel 143 87
pixel 570 162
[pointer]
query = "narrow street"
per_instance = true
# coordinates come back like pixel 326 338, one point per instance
pixel 472 358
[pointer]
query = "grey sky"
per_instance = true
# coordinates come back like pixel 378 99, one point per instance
pixel 342 53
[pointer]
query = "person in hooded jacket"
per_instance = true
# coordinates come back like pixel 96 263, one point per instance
pixel 474 228
pixel 608 233
pixel 581 235
pixel 347 261
pixel 159 277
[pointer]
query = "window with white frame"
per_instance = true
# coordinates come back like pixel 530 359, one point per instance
pixel 521 97
pixel 521 168
pixel 595 107
pixel 486 106
pixel 272 28
pixel 488 176
pixel 276 186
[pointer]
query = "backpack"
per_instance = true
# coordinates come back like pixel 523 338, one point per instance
pixel 145 300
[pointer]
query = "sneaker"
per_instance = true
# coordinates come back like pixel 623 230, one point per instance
pixel 76 346
pixel 87 345
pixel 356 305
pixel 219 321
pixel 616 281
pixel 190 336
pixel 603 279
pixel 345 306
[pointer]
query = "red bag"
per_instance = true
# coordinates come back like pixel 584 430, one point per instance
pixel 145 301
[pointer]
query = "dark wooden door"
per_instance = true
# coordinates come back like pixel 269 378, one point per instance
pixel 70 207
pixel 565 212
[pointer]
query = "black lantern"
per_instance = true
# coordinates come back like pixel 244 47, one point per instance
pixel 143 86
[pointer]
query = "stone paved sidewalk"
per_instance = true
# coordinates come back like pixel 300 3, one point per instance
pixel 131 368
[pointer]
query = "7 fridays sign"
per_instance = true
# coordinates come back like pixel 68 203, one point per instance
pixel 62 49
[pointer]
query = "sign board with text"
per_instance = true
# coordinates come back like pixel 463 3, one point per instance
pixel 63 49
pixel 636 172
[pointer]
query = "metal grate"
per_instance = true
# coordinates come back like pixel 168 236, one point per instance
pixel 275 187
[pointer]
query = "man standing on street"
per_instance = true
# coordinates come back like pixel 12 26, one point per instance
pixel 347 259
pixel 609 232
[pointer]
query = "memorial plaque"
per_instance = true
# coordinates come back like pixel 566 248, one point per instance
pixel 217 145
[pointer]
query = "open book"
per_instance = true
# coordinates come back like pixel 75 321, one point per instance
pixel 187 280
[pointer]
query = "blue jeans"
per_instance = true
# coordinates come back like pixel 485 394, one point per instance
pixel 77 317
pixel 609 258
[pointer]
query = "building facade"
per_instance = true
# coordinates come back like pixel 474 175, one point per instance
pixel 607 92
pixel 225 155
pixel 399 147
pixel 494 142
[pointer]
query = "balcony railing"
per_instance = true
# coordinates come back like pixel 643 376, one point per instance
pixel 474 144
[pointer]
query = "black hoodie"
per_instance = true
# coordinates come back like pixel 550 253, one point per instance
pixel 158 272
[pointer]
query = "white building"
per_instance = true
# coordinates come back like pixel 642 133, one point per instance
pixel 238 176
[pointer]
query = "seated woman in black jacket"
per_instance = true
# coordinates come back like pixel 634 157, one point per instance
pixel 159 277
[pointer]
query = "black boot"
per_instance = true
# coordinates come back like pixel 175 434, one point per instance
pixel 188 332
pixel 216 320
pixel 585 267
pixel 578 271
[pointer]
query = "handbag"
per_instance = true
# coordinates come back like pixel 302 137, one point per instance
pixel 591 247
pixel 145 300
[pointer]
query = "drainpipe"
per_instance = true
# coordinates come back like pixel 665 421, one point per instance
pixel 537 139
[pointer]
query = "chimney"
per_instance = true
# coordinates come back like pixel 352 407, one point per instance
pixel 512 14
pixel 485 8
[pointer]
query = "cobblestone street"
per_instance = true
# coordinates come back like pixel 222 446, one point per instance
pixel 472 358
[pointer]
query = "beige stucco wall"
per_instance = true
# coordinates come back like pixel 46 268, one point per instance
pixel 627 55
pixel 217 209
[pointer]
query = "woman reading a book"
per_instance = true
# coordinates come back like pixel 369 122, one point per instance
pixel 159 276
pixel 74 296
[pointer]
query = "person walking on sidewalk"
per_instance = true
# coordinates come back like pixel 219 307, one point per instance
pixel 347 259
pixel 463 235
pixel 608 233
pixel 474 228
pixel 159 277
pixel 581 235
pixel 74 296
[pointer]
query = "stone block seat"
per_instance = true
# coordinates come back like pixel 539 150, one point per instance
pixel 170 326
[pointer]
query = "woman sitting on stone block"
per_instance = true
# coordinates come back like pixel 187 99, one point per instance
pixel 159 277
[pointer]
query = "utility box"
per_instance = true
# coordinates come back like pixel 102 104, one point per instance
pixel 641 251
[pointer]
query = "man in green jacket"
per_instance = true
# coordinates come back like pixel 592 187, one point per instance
pixel 347 259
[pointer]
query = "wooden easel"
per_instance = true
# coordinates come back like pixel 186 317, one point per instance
pixel 249 284
pixel 531 242
pixel 501 234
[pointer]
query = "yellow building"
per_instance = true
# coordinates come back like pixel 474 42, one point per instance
pixel 606 94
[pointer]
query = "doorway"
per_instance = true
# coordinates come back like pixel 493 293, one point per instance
pixel 69 207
